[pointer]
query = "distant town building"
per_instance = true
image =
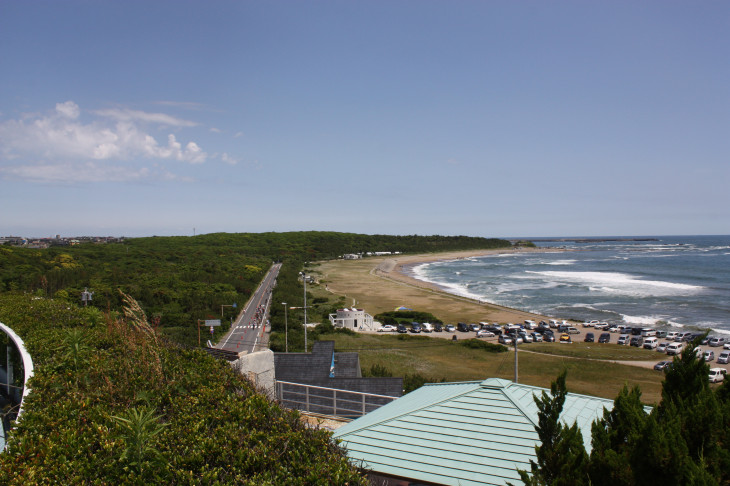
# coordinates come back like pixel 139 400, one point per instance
pixel 353 319
pixel 352 256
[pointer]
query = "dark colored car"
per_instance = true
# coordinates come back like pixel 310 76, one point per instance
pixel 438 327
pixel 462 327
pixel 590 338
pixel 605 338
pixel 495 329
pixel 636 331
pixel 416 327
pixel 637 341
pixel 401 328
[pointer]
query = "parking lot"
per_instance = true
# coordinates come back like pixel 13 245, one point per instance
pixel 578 339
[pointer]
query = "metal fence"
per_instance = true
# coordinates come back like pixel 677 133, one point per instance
pixel 328 401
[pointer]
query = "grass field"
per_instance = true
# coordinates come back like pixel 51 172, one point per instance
pixel 440 359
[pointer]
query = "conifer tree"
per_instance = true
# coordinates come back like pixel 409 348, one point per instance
pixel 561 456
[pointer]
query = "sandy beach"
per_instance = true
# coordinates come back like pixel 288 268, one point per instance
pixel 383 283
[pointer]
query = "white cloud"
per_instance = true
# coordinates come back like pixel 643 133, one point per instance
pixel 69 109
pixel 60 136
pixel 238 135
pixel 215 130
pixel 228 159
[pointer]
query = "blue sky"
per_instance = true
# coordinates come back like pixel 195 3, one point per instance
pixel 485 118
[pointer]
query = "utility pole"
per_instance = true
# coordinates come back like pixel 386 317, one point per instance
pixel 515 338
pixel 286 329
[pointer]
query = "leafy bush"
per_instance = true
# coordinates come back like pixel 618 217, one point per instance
pixel 112 402
pixel 486 346
pixel 395 317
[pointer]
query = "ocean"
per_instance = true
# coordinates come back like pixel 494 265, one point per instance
pixel 672 281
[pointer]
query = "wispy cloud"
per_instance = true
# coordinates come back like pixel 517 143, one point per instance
pixel 71 173
pixel 229 159
pixel 143 116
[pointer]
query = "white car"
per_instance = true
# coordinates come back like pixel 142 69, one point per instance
pixel 614 329
pixel 484 333
pixel 717 374
pixel 387 328
pixel 590 323
pixel 671 335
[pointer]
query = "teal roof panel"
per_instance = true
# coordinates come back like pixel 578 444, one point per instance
pixel 458 433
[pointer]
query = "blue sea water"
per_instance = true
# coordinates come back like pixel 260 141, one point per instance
pixel 674 281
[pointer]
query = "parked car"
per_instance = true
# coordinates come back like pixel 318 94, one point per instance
pixel 590 323
pixel 648 332
pixel 484 334
pixel 493 328
pixel 672 335
pixel 709 356
pixel 623 339
pixel 726 345
pixel 614 329
pixel 572 330
pixel 474 327
pixel 526 338
pixel 724 357
pixel 387 328
pixel 402 329
pixel 530 325
pixel 416 328
pixel 675 348
pixel 590 338
pixel 661 334
pixel 449 328
pixel 717 341
pixel 604 338
pixel 427 327
pixel 536 337
pixel 662 347
pixel 601 326
pixel 565 338
pixel 650 343
pixel 637 341
pixel 462 327
pixel 717 375
pixel 662 365
pixel 438 327
pixel 548 337
pixel 504 339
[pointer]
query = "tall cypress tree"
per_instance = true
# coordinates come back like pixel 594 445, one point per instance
pixel 561 456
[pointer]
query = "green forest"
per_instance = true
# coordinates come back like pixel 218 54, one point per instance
pixel 179 280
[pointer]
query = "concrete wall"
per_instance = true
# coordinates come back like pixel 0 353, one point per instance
pixel 259 368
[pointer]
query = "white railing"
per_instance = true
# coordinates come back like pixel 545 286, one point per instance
pixel 328 401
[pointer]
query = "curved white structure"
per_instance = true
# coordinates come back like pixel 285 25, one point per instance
pixel 27 362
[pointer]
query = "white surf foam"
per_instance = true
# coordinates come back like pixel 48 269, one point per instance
pixel 561 262
pixel 621 283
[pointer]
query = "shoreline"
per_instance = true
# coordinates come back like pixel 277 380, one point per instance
pixel 397 269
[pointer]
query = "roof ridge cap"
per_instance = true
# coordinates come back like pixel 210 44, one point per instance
pixel 406 412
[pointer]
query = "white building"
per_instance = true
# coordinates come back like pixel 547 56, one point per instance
pixel 354 319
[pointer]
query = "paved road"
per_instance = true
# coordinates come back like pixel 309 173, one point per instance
pixel 248 332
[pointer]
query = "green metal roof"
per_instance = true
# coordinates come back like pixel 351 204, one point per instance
pixel 466 433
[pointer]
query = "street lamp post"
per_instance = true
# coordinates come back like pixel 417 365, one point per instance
pixel 286 329
pixel 304 281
